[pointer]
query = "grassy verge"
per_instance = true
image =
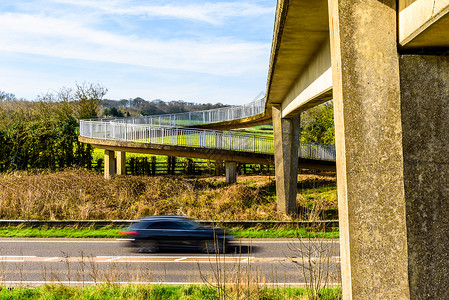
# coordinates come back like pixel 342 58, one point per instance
pixel 130 291
pixel 109 232
pixel 283 233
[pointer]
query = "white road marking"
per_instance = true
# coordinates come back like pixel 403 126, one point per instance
pixel 130 259
pixel 12 260
pixel 181 258
pixel 15 256
pixel 113 258
pixel 248 259
pixel 51 258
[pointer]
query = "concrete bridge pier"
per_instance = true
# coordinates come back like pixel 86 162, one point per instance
pixel 231 172
pixel 391 122
pixel 424 83
pixel 109 164
pixel 286 146
pixel 121 163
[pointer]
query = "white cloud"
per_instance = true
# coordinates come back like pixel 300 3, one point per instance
pixel 209 12
pixel 65 38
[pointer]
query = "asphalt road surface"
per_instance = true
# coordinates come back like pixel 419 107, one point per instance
pixel 85 261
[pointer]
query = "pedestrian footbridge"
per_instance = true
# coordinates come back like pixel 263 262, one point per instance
pixel 193 135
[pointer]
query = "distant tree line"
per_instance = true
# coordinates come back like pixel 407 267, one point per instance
pixel 44 133
pixel 142 107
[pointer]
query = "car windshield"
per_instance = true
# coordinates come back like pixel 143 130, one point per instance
pixel 178 224
pixel 138 225
pixel 188 224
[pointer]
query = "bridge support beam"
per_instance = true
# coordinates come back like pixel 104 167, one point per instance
pixel 286 143
pixel 231 172
pixel 121 163
pixel 391 120
pixel 109 164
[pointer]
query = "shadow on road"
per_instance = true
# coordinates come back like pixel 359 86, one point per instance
pixel 232 249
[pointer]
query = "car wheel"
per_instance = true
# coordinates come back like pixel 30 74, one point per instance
pixel 149 246
pixel 211 246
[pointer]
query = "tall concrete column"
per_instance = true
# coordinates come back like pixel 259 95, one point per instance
pixel 425 126
pixel 286 146
pixel 367 108
pixel 109 164
pixel 231 172
pixel 121 163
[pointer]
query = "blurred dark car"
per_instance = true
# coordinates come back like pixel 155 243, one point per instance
pixel 176 232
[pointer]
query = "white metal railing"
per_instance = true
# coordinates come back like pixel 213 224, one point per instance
pixel 176 136
pixel 317 151
pixel 198 117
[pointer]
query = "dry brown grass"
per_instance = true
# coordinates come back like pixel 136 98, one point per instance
pixel 80 194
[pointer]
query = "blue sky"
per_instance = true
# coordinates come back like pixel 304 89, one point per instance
pixel 200 51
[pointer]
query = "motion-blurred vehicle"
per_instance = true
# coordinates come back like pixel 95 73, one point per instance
pixel 152 233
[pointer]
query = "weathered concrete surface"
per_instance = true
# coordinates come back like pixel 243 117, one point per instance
pixel 425 123
pixel 231 172
pixel 121 163
pixel 365 69
pixel 109 164
pixel 286 135
pixel 423 23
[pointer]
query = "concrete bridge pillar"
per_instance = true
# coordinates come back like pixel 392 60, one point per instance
pixel 109 164
pixel 425 134
pixel 231 172
pixel 286 143
pixel 219 167
pixel 391 124
pixel 121 163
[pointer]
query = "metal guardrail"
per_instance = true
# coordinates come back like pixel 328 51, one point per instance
pixel 168 130
pixel 125 223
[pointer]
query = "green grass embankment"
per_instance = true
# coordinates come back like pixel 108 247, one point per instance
pixel 162 292
pixel 111 232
